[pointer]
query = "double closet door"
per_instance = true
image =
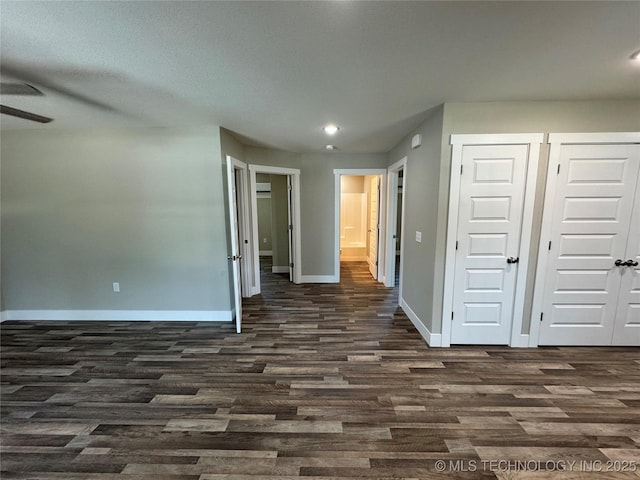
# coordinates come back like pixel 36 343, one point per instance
pixel 591 291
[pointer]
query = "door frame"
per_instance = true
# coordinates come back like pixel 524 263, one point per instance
pixel 392 220
pixel 556 141
pixel 338 172
pixel 294 175
pixel 458 141
pixel 239 218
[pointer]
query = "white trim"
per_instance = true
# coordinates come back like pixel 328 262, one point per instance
pixel 239 231
pixel 122 315
pixel 338 172
pixel 297 249
pixel 533 140
pixel 266 253
pixel 359 172
pixel 393 189
pixel 432 339
pixel 587 138
pixel 273 170
pixel 280 269
pixel 497 139
pixel 556 140
pixel 525 243
pixel 255 237
pixel 245 248
pixel 520 341
pixel 3 316
pixel 545 233
pixel 319 279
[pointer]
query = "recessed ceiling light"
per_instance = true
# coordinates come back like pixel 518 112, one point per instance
pixel 635 55
pixel 330 129
pixel 330 147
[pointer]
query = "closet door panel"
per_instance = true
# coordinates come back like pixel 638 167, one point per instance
pixel 627 322
pixel 593 205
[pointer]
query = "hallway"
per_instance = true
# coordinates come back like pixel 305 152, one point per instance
pixel 326 381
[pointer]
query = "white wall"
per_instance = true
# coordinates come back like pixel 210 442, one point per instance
pixel 84 208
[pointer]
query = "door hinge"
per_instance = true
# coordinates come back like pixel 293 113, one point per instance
pixel 291 265
pixel 558 169
pixel 461 167
pixel 451 315
pixel 541 315
pixel 290 227
pixel 456 244
pixel 376 263
pixel 549 245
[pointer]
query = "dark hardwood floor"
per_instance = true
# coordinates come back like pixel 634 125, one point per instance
pixel 325 382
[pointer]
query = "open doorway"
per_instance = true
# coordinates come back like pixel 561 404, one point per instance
pixel 359 222
pixel 275 214
pixel 397 174
pixel 274 222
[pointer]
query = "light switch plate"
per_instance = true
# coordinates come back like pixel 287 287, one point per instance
pixel 418 237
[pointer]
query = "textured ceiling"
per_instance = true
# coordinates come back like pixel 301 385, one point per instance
pixel 275 72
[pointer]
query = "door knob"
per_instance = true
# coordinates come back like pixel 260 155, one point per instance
pixel 620 263
pixel 631 263
pixel 232 257
pixel 513 259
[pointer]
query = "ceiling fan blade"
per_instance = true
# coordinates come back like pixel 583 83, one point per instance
pixel 14 112
pixel 41 81
pixel 19 89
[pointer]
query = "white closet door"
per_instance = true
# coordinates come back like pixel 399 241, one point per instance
pixel 590 224
pixel 627 324
pixel 492 190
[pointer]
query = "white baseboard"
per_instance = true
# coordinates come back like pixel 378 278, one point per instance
pixel 266 253
pixel 128 315
pixel 353 258
pixel 319 279
pixel 432 339
pixel 280 269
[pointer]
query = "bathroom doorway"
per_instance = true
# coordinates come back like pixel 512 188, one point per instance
pixel 359 221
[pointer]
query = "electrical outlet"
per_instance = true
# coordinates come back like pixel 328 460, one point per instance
pixel 116 287
pixel 264 240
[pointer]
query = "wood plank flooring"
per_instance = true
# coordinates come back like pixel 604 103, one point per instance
pixel 325 382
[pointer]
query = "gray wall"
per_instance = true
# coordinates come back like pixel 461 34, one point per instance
pixel 83 209
pixel 523 117
pixel 280 220
pixel 264 215
pixel 264 223
pixel 316 197
pixel 318 205
pixel 420 286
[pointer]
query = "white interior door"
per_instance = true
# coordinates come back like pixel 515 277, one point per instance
pixel 626 330
pixel 492 192
pixel 374 227
pixel 592 213
pixel 290 225
pixel 235 256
